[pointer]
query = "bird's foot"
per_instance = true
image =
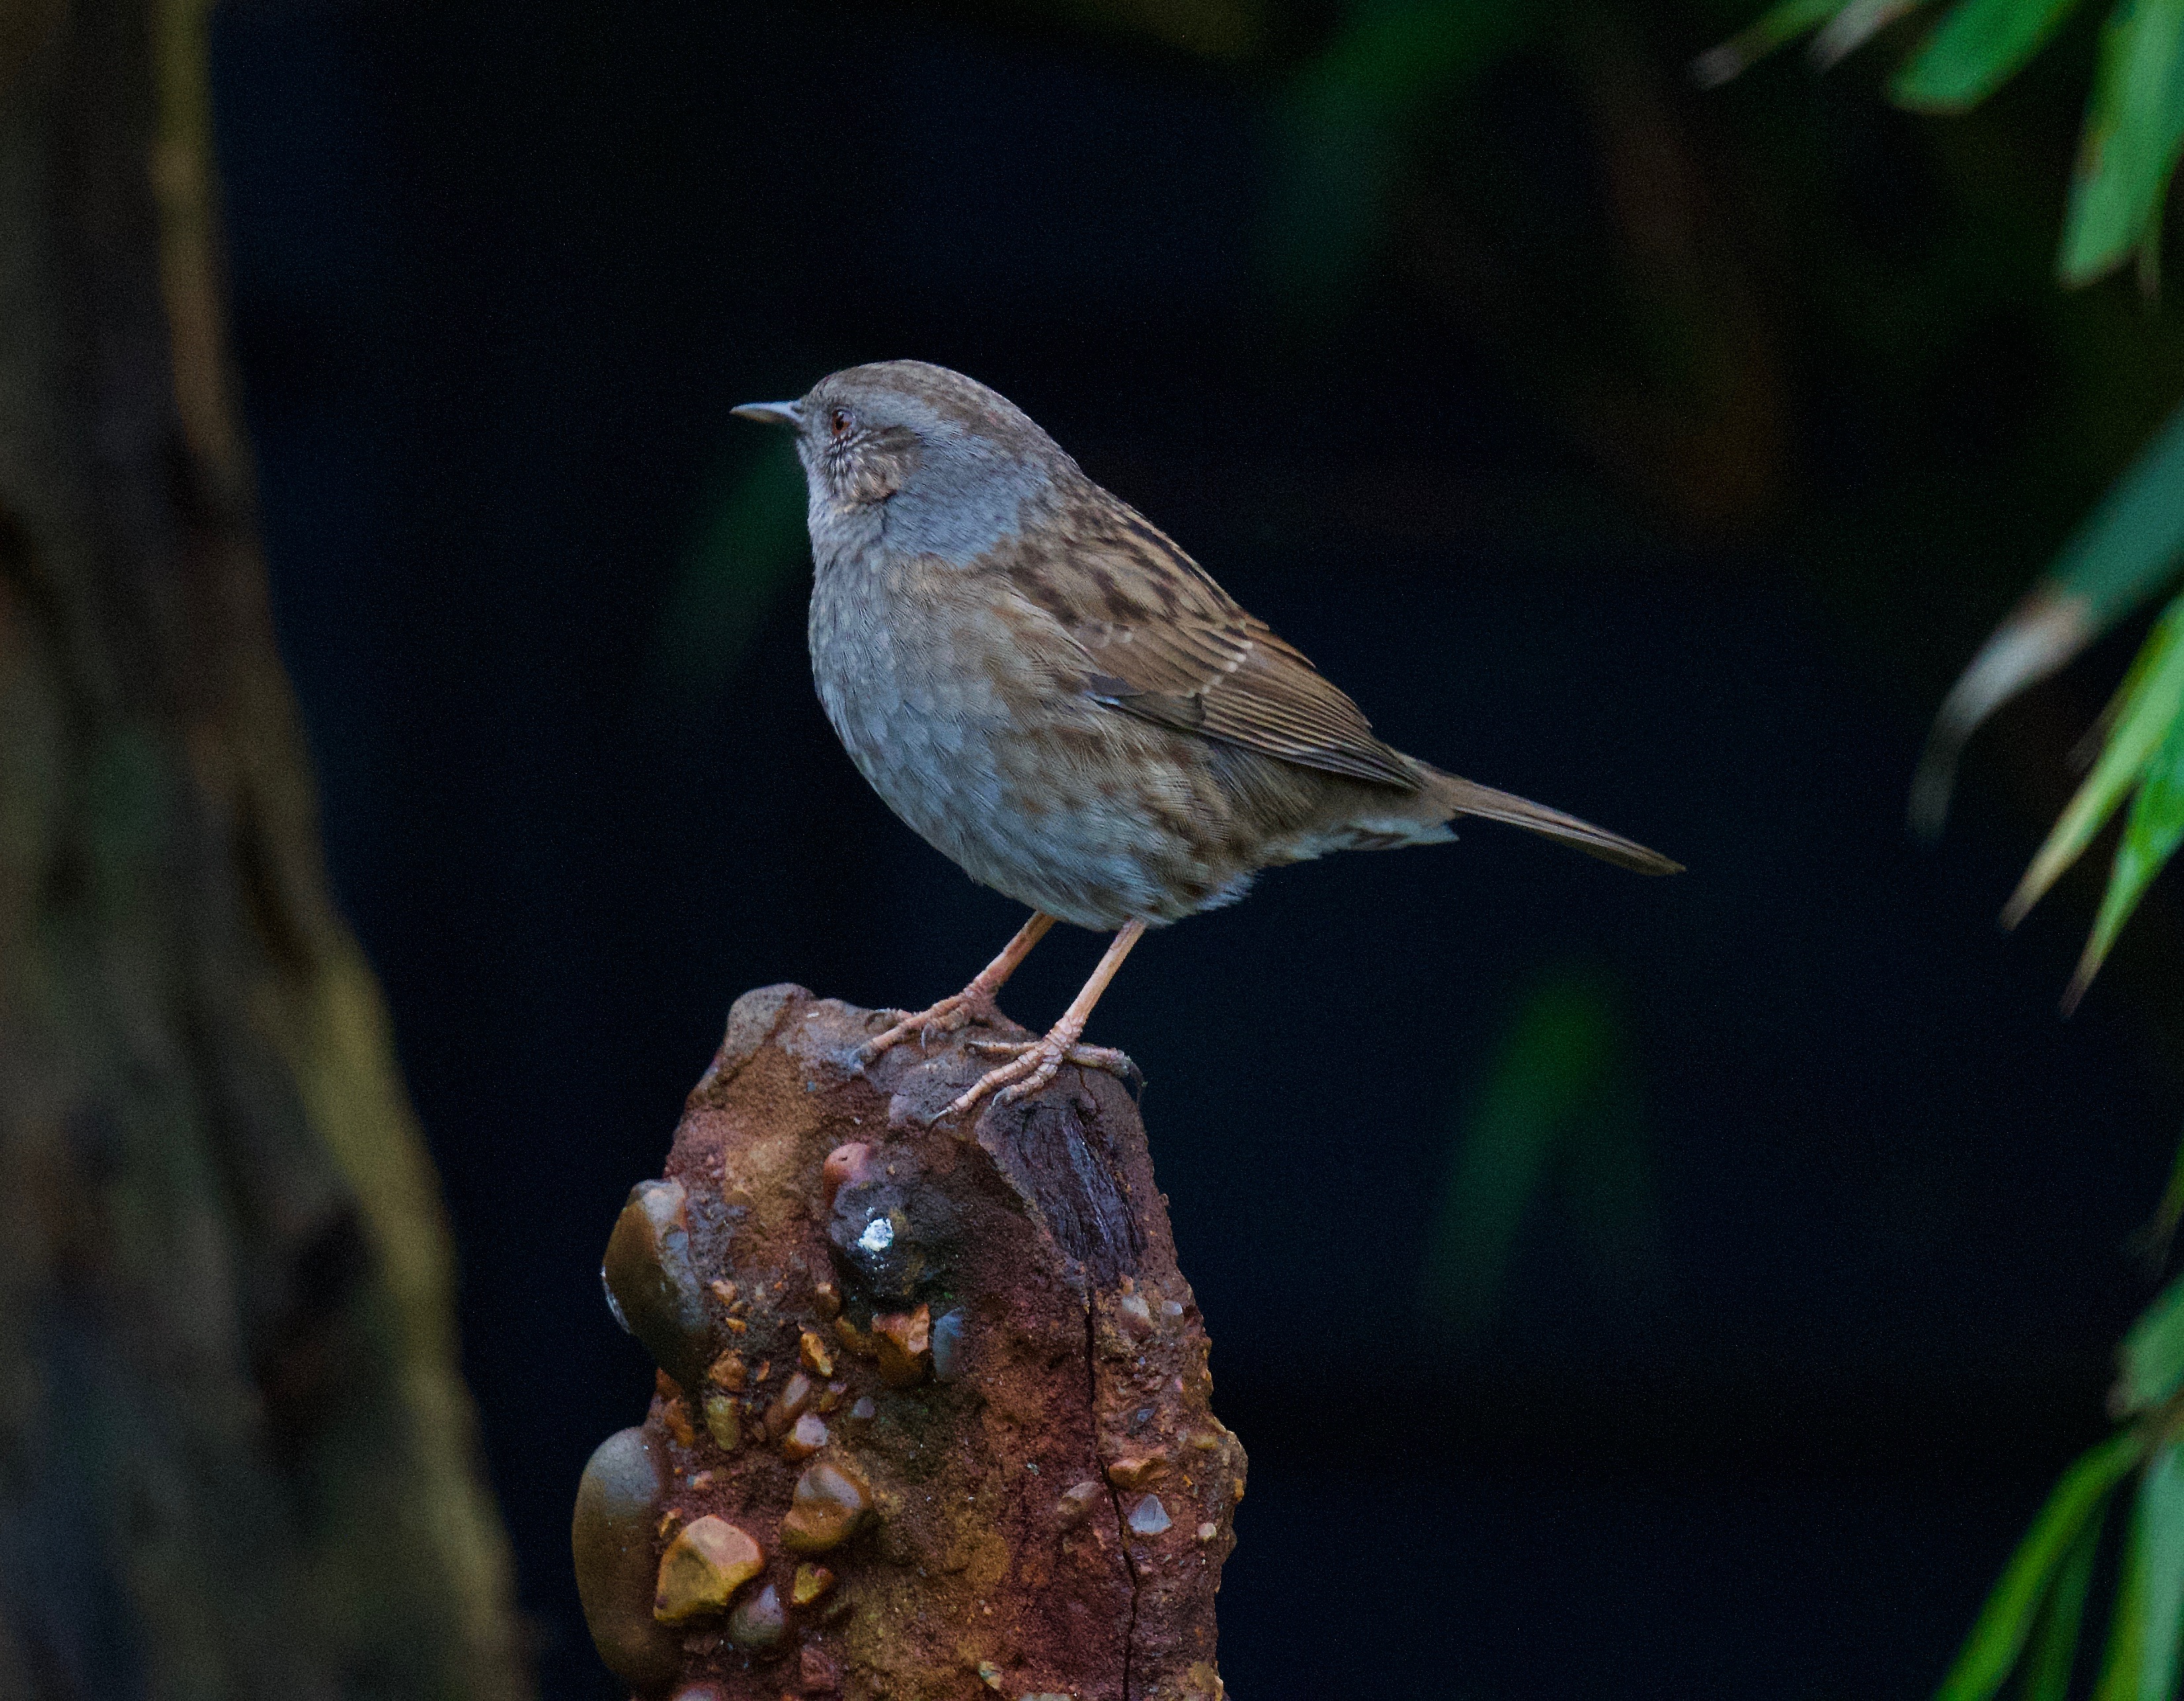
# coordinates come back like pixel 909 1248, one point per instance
pixel 956 1011
pixel 1034 1063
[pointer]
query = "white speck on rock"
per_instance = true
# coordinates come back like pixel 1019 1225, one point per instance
pixel 878 1235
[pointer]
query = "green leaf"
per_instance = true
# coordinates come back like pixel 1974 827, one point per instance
pixel 1974 50
pixel 2123 553
pixel 2134 126
pixel 2053 1654
pixel 2153 1352
pixel 1853 26
pixel 2139 730
pixel 2141 1661
pixel 1780 23
pixel 2149 249
pixel 2150 838
pixel 1991 1651
pixel 2120 1662
pixel 2130 545
pixel 2161 1517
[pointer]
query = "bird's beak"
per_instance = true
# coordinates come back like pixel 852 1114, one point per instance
pixel 789 414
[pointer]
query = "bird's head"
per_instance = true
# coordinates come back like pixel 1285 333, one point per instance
pixel 951 462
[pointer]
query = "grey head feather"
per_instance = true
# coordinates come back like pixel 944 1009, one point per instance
pixel 936 465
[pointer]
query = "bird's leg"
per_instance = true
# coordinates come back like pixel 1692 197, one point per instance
pixel 1036 1060
pixel 974 1000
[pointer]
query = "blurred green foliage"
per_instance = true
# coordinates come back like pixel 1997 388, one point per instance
pixel 2128 150
pixel 2058 1547
pixel 1348 120
pixel 2134 123
pixel 2127 550
pixel 750 545
pixel 1560 1109
pixel 1974 50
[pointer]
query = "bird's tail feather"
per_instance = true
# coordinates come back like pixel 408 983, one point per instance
pixel 1462 797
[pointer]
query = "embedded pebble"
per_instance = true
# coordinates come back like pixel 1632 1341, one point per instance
pixel 865 1409
pixel 648 1273
pixel 812 1352
pixel 1206 1532
pixel 1151 1517
pixel 729 1372
pixel 844 1164
pixel 831 1396
pixel 904 1341
pixel 1137 1316
pixel 948 1347
pixel 869 1227
pixel 989 1673
pixel 1078 1501
pixel 812 1582
pixel 828 1503
pixel 1133 1472
pixel 805 1437
pixel 617 1503
pixel 793 1400
pixel 758 1621
pixel 723 1422
pixel 706 1563
pixel 830 1300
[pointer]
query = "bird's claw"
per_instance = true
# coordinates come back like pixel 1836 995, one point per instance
pixel 1105 1057
pixel 956 1011
pixel 1034 1063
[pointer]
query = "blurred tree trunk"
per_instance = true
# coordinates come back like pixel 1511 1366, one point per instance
pixel 236 1459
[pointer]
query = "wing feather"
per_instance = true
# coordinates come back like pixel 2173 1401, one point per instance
pixel 1161 640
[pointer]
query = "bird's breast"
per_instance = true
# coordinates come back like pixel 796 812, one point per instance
pixel 912 679
pixel 954 707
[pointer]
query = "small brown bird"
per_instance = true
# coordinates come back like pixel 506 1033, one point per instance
pixel 1050 691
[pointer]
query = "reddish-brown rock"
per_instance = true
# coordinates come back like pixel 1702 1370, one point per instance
pixel 1025 1489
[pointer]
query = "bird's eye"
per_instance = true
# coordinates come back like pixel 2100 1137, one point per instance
pixel 839 422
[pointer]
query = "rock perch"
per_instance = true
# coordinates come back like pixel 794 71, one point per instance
pixel 933 1412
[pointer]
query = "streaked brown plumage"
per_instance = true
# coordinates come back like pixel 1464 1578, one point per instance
pixel 1049 690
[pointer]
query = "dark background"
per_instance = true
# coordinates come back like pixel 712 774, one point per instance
pixel 1656 454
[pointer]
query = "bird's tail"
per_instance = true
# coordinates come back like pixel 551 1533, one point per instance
pixel 1462 797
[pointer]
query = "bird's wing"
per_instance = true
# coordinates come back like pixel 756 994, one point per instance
pixel 1162 641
